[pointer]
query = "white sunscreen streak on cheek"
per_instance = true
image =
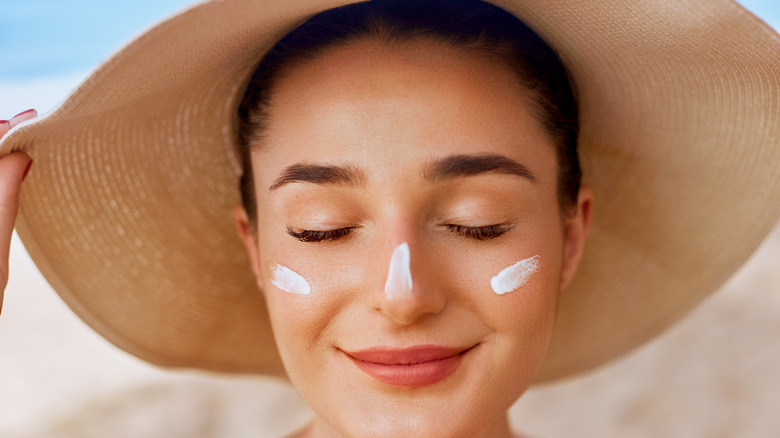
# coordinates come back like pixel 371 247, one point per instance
pixel 399 275
pixel 515 276
pixel 290 281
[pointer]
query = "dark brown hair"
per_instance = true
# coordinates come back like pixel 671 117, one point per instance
pixel 466 24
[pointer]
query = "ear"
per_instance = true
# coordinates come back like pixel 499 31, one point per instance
pixel 576 229
pixel 248 236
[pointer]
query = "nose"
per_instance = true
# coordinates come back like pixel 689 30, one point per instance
pixel 406 299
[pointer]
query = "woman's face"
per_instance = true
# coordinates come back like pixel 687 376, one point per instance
pixel 393 184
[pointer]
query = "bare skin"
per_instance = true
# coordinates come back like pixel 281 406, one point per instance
pixel 12 170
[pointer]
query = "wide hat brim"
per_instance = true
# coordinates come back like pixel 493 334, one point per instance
pixel 127 211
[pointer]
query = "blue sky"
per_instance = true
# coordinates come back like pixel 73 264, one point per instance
pixel 49 37
pixel 48 46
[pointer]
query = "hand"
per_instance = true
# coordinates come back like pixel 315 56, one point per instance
pixel 13 168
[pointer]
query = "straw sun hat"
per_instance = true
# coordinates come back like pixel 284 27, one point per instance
pixel 127 211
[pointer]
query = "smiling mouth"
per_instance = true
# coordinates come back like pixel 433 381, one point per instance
pixel 416 366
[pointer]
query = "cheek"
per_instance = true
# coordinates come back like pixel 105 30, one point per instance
pixel 513 288
pixel 506 291
pixel 525 320
pixel 515 276
pixel 520 323
pixel 301 321
pixel 289 281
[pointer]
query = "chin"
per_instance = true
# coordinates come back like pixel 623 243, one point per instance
pixel 437 411
pixel 388 424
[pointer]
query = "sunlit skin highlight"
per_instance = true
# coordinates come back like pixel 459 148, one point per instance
pixel 391 115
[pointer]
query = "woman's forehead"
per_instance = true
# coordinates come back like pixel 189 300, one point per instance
pixel 372 69
pixel 420 99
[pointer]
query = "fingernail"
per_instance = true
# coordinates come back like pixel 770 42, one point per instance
pixel 5 124
pixel 35 113
pixel 27 170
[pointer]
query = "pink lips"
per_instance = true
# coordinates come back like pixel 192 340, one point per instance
pixel 416 366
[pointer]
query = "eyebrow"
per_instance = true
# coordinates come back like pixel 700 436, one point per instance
pixel 446 168
pixel 319 174
pixel 469 165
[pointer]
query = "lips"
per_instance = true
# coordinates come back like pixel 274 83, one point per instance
pixel 416 366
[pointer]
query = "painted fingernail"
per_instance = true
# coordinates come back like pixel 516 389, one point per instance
pixel 27 170
pixel 5 124
pixel 24 113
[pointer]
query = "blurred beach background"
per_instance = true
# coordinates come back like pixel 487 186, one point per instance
pixel 716 374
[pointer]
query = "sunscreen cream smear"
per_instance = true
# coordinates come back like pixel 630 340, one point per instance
pixel 399 276
pixel 515 276
pixel 290 281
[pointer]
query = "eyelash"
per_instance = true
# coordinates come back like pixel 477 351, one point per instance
pixel 480 233
pixel 319 236
pixel 477 233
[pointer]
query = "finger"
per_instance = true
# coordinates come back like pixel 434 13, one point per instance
pixel 12 168
pixel 23 117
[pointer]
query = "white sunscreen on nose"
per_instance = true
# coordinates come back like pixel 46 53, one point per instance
pixel 399 276
pixel 515 276
pixel 290 281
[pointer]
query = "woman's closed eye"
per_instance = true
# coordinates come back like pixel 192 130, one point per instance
pixel 319 235
pixel 480 233
pixel 477 233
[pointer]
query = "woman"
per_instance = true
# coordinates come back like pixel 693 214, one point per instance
pixel 425 264
pixel 411 214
